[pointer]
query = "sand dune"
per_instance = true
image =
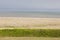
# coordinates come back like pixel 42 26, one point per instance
pixel 25 22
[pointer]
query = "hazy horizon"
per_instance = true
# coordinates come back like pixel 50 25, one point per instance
pixel 13 8
pixel 29 5
pixel 31 14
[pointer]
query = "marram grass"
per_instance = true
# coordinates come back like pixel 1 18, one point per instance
pixel 30 33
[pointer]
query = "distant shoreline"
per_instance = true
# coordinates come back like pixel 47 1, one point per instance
pixel 31 14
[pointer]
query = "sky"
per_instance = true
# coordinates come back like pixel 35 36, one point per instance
pixel 29 5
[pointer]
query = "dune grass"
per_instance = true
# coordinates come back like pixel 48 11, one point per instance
pixel 30 33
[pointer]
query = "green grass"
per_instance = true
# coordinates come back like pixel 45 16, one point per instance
pixel 30 33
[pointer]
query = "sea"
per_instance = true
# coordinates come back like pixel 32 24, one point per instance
pixel 31 14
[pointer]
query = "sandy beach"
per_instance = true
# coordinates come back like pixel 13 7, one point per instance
pixel 28 38
pixel 26 22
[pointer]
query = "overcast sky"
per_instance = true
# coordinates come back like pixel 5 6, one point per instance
pixel 18 5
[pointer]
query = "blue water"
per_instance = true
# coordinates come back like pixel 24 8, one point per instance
pixel 31 14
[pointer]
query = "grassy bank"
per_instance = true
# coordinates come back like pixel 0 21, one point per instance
pixel 30 33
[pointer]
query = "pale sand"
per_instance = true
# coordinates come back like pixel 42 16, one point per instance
pixel 25 22
pixel 28 38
